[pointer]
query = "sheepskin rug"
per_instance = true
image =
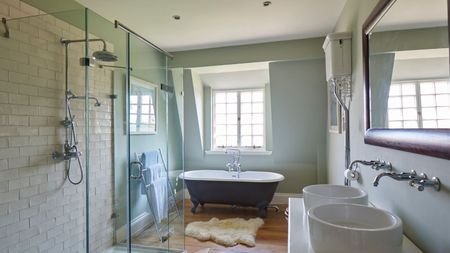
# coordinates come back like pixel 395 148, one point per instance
pixel 228 232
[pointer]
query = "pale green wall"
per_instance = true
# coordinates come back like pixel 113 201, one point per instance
pixel 425 214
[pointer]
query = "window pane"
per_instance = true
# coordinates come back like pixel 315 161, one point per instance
pixel 231 97
pixel 221 130
pixel 231 119
pixel 408 89
pixel 409 101
pixel 231 129
pixel 221 108
pixel 443 100
pixel 395 114
pixel 246 118
pixel 145 99
pixel 231 108
pixel 257 118
pixel 410 124
pixel 258 130
pixel 133 118
pixel 258 108
pixel 395 124
pixel 395 90
pixel 221 119
pixel 442 87
pixel 409 114
pixel 429 113
pixel 145 109
pixel 152 109
pixel 444 123
pixel 133 108
pixel 152 119
pixel 246 141
pixel 395 102
pixel 145 119
pixel 258 141
pixel 232 141
pixel 427 88
pixel 258 96
pixel 133 127
pixel 221 141
pixel 133 99
pixel 443 112
pixel 246 129
pixel 246 97
pixel 428 100
pixel 221 97
pixel 429 124
pixel 246 108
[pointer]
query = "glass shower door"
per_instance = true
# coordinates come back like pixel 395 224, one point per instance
pixel 155 152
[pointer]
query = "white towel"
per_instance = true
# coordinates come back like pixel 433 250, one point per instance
pixel 158 196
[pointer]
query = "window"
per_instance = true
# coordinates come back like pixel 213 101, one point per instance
pixel 419 104
pixel 142 107
pixel 239 119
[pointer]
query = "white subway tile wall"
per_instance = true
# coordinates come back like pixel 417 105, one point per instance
pixel 39 212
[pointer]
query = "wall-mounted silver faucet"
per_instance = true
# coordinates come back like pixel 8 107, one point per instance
pixel 417 181
pixel 374 164
pixel 396 176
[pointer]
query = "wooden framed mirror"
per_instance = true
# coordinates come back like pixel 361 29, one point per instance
pixel 406 75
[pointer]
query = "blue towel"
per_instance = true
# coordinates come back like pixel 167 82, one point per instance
pixel 149 158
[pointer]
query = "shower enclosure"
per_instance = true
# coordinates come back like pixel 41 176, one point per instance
pixel 87 128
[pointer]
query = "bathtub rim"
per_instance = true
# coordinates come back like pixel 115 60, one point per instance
pixel 277 177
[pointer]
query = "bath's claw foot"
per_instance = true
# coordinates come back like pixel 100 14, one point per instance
pixel 202 204
pixel 277 209
pixel 262 213
pixel 194 205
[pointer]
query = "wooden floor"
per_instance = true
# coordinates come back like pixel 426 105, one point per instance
pixel 271 237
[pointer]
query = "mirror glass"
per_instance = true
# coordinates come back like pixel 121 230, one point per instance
pixel 409 66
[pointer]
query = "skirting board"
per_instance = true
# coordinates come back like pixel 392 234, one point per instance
pixel 138 225
pixel 279 198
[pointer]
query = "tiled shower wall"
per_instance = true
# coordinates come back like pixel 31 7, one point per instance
pixel 39 211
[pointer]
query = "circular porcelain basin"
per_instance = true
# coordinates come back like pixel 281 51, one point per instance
pixel 320 194
pixel 350 228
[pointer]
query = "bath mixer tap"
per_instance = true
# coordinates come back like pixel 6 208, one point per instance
pixel 404 176
pixel 234 165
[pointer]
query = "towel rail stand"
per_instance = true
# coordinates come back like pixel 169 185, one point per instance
pixel 171 201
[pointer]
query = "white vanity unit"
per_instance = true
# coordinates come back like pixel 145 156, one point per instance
pixel 298 238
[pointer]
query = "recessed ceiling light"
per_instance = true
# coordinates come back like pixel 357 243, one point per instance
pixel 267 3
pixel 176 17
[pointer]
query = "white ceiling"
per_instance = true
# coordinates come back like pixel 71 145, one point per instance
pixel 411 14
pixel 217 23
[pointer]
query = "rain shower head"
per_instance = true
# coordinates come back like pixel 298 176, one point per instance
pixel 104 55
pixel 101 55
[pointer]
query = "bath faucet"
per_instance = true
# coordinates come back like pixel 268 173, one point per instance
pixel 234 165
pixel 404 176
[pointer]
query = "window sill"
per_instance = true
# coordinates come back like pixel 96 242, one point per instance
pixel 243 152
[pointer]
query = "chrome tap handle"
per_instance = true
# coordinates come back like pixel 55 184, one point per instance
pixel 422 181
pixel 417 184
